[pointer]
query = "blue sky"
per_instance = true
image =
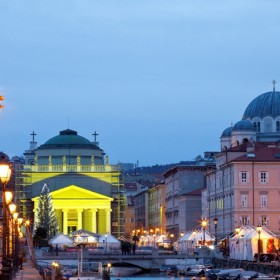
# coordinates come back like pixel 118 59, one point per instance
pixel 158 80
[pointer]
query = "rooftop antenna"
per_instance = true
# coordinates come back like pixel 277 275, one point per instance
pixel 68 122
pixel 274 83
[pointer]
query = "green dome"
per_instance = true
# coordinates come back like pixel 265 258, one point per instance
pixel 68 137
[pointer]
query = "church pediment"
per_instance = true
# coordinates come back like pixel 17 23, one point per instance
pixel 76 193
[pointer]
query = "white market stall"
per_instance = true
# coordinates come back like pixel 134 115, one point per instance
pixel 192 240
pixel 244 244
pixel 61 241
pixel 109 242
pixel 162 241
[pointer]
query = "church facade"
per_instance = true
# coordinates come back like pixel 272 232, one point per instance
pixel 87 192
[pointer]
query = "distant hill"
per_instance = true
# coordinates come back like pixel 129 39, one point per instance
pixel 150 175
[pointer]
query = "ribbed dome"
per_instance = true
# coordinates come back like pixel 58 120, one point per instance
pixel 266 104
pixel 243 125
pixel 227 132
pixel 68 137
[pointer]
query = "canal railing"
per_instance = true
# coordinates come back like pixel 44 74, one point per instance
pixel 272 268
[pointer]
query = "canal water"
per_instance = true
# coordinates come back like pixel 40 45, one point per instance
pixel 154 276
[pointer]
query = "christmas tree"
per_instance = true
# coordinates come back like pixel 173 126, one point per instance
pixel 46 218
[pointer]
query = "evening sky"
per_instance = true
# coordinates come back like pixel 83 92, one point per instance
pixel 158 80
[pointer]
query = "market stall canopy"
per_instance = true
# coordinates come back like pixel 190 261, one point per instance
pixel 197 236
pixel 110 239
pixel 187 236
pixel 244 244
pixel 61 240
pixel 84 236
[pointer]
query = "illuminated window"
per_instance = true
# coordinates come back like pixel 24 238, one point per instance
pixel 264 221
pixel 244 221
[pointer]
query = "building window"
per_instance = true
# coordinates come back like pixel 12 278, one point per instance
pixel 244 200
pixel 257 126
pixel 278 126
pixel 263 200
pixel 244 177
pixel 264 221
pixel 263 177
pixel 244 221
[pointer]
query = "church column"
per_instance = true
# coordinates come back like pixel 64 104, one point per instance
pixel 80 218
pixel 65 221
pixel 108 220
pixel 93 219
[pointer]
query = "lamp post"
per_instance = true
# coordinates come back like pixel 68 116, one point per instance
pixel 109 267
pixel 171 237
pixel 12 211
pixel 204 225
pixel 5 173
pixel 106 243
pixel 81 246
pixel 215 220
pixel 259 230
pixel 15 240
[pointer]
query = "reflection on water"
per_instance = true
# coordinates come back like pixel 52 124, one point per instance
pixel 155 276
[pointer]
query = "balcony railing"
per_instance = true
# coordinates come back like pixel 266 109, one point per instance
pixel 71 168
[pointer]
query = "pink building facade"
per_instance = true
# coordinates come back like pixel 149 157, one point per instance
pixel 244 188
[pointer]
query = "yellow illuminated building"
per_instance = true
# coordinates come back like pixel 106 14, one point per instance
pixel 86 190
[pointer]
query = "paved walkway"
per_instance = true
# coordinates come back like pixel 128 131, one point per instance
pixel 28 273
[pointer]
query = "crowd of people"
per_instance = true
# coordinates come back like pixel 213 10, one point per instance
pixel 128 248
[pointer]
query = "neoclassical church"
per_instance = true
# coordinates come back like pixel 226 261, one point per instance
pixel 260 122
pixel 87 192
pixel 244 187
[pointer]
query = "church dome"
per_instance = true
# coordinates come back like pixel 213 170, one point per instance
pixel 266 104
pixel 243 125
pixel 227 132
pixel 68 137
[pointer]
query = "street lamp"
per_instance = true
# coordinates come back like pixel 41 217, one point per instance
pixel 108 269
pixel 204 225
pixel 55 266
pixel 5 173
pixel 259 230
pixel 215 224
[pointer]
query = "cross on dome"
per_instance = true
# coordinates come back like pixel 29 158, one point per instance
pixel 95 135
pixel 33 135
pixel 274 83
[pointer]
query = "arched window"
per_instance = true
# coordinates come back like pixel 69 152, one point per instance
pixel 245 140
pixel 277 126
pixel 257 126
